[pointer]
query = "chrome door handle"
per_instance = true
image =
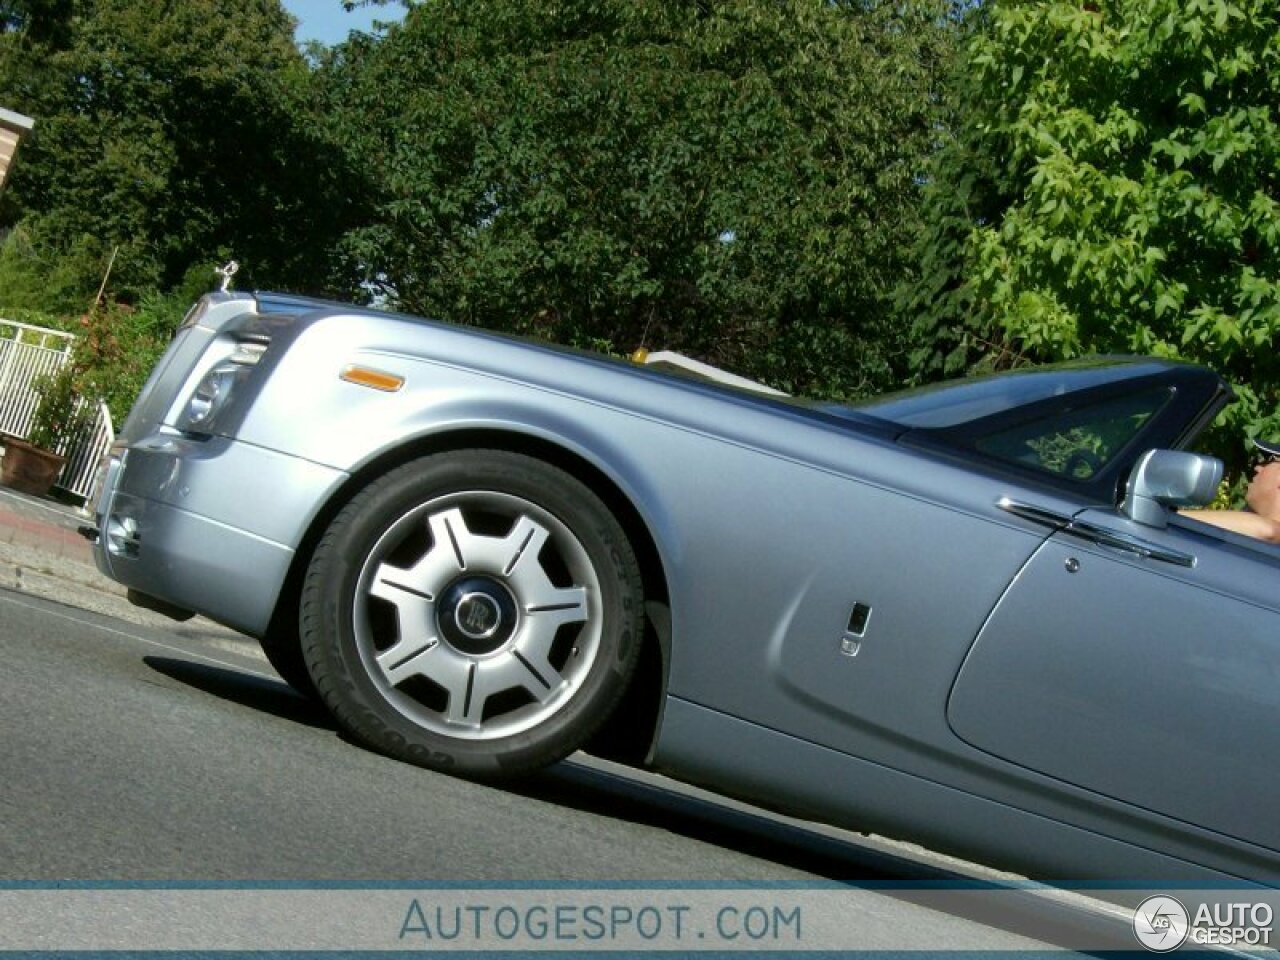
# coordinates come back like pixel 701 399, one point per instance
pixel 1062 523
pixel 1128 543
pixel 1029 511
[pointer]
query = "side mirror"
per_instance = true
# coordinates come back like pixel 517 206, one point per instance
pixel 1169 478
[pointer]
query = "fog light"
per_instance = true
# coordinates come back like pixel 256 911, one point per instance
pixel 123 539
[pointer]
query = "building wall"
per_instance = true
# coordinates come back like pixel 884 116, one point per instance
pixel 13 127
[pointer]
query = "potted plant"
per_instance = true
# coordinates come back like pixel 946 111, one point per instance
pixel 32 465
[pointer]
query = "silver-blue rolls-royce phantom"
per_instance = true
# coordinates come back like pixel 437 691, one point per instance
pixel 969 615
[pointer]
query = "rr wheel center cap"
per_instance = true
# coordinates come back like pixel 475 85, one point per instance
pixel 477 615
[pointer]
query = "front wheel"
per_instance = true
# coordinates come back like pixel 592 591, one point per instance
pixel 477 612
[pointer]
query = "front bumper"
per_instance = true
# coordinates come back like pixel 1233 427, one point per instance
pixel 211 526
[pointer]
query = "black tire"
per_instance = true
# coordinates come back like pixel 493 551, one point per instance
pixel 477 612
pixel 283 649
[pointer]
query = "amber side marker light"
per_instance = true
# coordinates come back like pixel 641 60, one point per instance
pixel 368 377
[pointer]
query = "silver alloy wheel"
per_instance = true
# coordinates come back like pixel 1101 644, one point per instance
pixel 476 615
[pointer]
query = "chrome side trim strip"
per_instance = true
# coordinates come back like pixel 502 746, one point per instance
pixel 1093 533
pixel 1128 543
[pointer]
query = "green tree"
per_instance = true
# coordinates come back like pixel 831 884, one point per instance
pixel 1114 186
pixel 175 133
pixel 47 21
pixel 739 179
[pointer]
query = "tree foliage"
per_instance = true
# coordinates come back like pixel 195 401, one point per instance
pixel 1114 186
pixel 176 133
pixel 736 179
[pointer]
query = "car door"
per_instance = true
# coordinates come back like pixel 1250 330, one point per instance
pixel 1142 664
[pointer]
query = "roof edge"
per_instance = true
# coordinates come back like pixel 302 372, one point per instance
pixel 16 122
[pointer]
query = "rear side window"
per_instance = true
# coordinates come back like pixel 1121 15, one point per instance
pixel 1075 444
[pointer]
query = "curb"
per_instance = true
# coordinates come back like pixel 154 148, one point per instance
pixel 42 555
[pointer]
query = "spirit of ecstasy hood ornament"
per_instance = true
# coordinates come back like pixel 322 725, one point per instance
pixel 226 273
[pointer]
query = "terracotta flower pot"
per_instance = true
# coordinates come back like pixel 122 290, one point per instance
pixel 29 469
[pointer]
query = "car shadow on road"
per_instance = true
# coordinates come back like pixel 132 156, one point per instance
pixel 1021 909
pixel 274 697
pixel 601 792
pixel 837 857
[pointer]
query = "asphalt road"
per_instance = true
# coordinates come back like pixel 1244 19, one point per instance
pixel 132 753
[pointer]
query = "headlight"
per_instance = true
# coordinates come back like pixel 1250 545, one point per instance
pixel 216 388
pixel 210 396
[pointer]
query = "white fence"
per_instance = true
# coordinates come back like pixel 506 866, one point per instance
pixel 26 354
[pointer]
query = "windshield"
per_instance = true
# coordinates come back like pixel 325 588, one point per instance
pixel 949 404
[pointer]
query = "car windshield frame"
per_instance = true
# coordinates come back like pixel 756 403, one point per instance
pixel 957 418
pixel 952 403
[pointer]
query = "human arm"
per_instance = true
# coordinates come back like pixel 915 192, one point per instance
pixel 1238 521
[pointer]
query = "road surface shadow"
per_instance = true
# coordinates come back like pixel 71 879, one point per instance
pixel 1018 909
pixel 258 693
pixel 757 834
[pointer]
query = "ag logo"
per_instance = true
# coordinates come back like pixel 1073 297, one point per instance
pixel 1161 924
